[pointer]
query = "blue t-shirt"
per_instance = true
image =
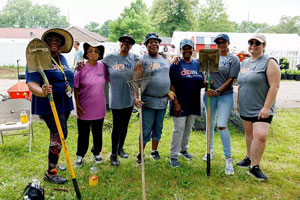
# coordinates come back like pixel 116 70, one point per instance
pixel 187 80
pixel 63 103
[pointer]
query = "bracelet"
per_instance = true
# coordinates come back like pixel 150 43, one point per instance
pixel 218 92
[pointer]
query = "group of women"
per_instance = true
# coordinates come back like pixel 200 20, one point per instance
pixel 182 82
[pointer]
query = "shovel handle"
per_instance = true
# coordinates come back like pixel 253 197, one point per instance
pixel 62 138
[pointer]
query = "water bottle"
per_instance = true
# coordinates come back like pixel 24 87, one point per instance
pixel 93 179
pixel 23 117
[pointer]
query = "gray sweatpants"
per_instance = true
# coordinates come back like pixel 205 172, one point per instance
pixel 181 134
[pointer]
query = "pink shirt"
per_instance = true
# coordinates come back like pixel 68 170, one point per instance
pixel 91 81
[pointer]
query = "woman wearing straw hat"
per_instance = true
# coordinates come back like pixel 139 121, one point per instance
pixel 90 102
pixel 60 85
pixel 259 81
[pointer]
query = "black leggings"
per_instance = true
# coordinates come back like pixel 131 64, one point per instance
pixel 55 142
pixel 84 127
pixel 121 119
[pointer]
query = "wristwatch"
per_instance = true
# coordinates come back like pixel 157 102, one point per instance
pixel 218 92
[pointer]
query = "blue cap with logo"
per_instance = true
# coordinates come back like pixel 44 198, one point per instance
pixel 223 36
pixel 151 36
pixel 186 42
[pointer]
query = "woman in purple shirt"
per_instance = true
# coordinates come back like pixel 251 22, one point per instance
pixel 90 102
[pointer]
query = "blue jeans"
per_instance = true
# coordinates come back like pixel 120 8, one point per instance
pixel 153 120
pixel 221 106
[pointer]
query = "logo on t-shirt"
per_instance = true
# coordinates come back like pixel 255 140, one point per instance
pixel 188 73
pixel 120 66
pixel 100 75
pixel 224 64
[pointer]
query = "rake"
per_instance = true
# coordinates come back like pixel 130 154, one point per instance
pixel 138 79
pixel 38 59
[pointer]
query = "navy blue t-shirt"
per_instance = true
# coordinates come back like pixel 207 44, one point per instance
pixel 187 80
pixel 63 103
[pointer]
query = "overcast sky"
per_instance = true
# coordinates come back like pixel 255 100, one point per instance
pixel 81 12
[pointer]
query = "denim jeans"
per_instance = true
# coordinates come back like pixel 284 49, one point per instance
pixel 153 120
pixel 181 134
pixel 221 106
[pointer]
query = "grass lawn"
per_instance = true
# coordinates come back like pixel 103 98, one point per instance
pixel 280 163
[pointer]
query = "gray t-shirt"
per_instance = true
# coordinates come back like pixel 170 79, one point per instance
pixel 155 95
pixel 254 86
pixel 119 94
pixel 78 56
pixel 229 66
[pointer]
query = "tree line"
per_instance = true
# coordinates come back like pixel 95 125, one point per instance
pixel 164 17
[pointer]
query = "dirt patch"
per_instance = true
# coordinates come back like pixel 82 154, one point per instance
pixel 10 73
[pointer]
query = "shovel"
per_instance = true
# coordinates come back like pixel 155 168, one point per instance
pixel 209 62
pixel 38 59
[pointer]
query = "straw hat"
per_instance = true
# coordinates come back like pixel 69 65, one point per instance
pixel 65 36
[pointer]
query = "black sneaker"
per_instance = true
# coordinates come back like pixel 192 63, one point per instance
pixel 257 173
pixel 114 160
pixel 56 179
pixel 61 167
pixel 244 163
pixel 98 159
pixel 139 159
pixel 122 154
pixel 155 155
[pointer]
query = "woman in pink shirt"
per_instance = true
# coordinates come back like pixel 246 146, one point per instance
pixel 90 102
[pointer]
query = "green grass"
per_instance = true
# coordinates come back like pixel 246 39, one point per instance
pixel 280 163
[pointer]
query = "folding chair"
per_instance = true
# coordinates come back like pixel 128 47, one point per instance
pixel 10 122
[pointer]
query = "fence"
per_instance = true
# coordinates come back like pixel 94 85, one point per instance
pixel 292 56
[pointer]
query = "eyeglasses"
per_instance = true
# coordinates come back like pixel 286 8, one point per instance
pixel 127 42
pixel 51 39
pixel 251 42
pixel 93 51
pixel 221 42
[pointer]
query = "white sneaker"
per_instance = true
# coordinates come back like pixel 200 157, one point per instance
pixel 79 161
pixel 211 156
pixel 229 166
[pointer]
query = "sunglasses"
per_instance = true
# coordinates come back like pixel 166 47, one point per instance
pixel 51 39
pixel 221 42
pixel 257 43
pixel 93 51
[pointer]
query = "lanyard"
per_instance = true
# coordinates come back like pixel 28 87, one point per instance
pixel 59 67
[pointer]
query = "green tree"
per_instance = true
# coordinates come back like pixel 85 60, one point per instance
pixel 213 18
pixel 168 16
pixel 251 27
pixel 104 29
pixel 134 20
pixel 287 25
pixel 93 26
pixel 23 14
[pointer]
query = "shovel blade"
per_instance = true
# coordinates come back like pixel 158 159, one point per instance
pixel 209 60
pixel 38 56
